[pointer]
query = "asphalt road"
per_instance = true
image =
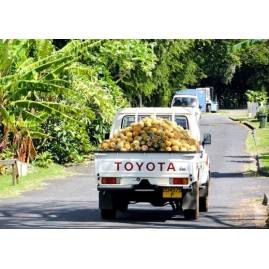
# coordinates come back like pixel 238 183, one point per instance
pixel 72 203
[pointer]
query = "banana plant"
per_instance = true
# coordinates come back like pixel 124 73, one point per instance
pixel 33 86
pixel 248 43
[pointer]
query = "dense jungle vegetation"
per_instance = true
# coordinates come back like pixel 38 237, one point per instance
pixel 58 97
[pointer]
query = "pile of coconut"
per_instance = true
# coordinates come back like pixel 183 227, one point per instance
pixel 151 134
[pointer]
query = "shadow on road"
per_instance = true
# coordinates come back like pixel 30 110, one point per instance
pixel 225 175
pixel 240 159
pixel 59 215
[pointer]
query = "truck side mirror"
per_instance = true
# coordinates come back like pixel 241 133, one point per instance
pixel 206 139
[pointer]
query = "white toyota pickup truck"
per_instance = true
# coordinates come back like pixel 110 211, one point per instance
pixel 180 179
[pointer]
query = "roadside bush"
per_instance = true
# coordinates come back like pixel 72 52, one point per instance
pixel 69 143
pixel 5 154
pixel 257 96
pixel 262 110
pixel 44 159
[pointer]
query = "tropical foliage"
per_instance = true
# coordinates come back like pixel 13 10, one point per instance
pixel 60 96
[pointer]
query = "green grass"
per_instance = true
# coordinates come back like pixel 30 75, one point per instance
pixel 264 157
pixel 34 180
pixel 233 112
pixel 225 112
pixel 244 119
pixel 262 140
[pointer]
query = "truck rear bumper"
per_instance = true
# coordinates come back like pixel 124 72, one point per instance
pixel 115 188
pixel 136 188
pixel 113 197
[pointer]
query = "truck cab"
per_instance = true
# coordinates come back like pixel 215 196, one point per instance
pixel 189 101
pixel 206 96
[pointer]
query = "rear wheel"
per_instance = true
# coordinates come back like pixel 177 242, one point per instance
pixel 203 204
pixel 203 200
pixel 208 108
pixel 191 214
pixel 108 214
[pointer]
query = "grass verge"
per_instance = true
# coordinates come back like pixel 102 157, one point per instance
pixel 259 145
pixel 34 180
pixel 264 157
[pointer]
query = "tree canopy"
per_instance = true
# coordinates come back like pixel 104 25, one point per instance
pixel 60 96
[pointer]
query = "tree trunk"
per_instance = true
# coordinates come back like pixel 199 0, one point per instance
pixel 140 100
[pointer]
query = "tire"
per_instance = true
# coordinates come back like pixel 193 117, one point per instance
pixel 203 204
pixel 203 201
pixel 108 214
pixel 191 214
pixel 208 108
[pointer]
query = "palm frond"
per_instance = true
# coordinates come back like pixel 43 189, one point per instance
pixel 30 116
pixel 24 64
pixel 7 120
pixel 70 51
pixel 78 47
pixel 55 109
pixel 10 51
pixel 54 72
pixel 5 61
pixel 19 45
pixel 45 63
pixel 39 135
pixel 80 69
pixel 59 82
pixel 62 107
pixel 44 48
pixel 246 44
pixel 33 85
pixel 7 79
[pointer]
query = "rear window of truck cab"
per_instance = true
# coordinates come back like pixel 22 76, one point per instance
pixel 180 120
pixel 185 101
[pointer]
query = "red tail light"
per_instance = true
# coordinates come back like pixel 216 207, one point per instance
pixel 110 180
pixel 181 181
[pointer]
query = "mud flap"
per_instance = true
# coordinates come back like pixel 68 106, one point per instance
pixel 191 199
pixel 105 200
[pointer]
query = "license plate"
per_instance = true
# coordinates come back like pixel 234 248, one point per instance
pixel 171 192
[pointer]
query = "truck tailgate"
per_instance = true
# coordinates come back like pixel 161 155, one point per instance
pixel 145 164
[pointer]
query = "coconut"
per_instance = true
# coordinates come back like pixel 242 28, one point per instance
pixel 151 134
